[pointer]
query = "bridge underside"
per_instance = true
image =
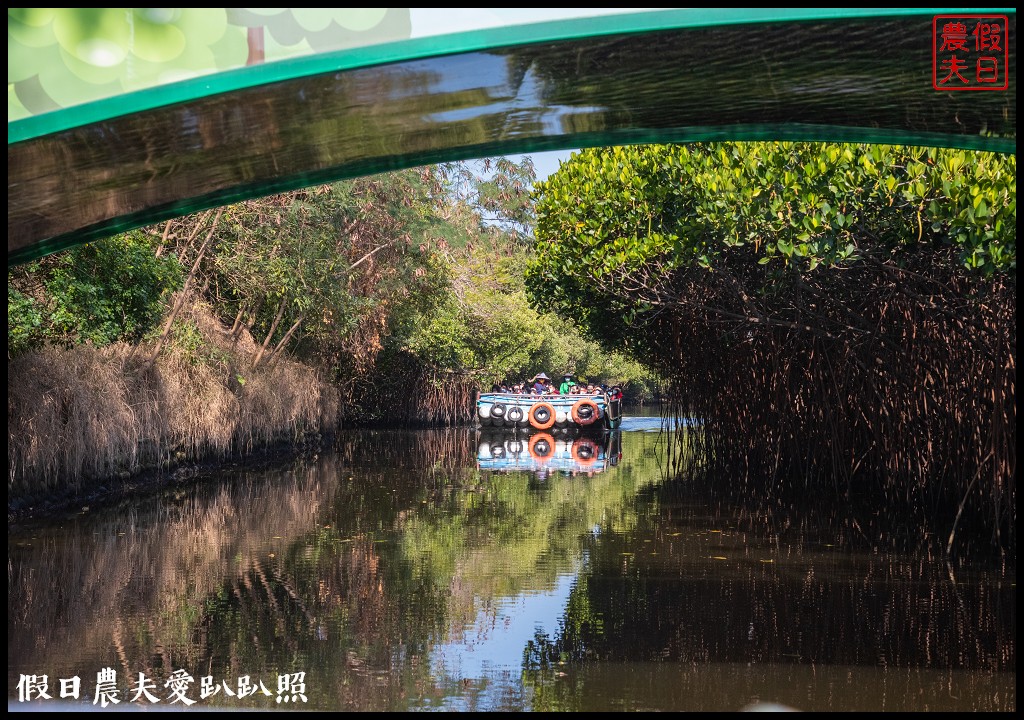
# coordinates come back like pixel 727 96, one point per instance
pixel 857 79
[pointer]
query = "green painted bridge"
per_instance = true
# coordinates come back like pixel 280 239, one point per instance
pixel 133 156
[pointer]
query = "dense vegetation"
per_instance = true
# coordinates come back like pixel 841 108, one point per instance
pixel 838 317
pixel 835 315
pixel 385 299
pixel 99 293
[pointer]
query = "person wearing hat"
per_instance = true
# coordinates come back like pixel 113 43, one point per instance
pixel 540 383
pixel 567 385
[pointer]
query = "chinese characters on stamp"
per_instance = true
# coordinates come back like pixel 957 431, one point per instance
pixel 970 52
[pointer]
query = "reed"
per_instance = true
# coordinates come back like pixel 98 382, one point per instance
pixel 79 416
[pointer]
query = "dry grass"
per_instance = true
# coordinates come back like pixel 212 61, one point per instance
pixel 77 416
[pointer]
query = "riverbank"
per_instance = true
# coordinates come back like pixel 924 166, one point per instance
pixel 87 422
pixel 105 491
pixel 84 418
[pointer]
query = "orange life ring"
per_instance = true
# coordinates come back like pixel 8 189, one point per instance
pixel 542 446
pixel 542 415
pixel 584 451
pixel 584 412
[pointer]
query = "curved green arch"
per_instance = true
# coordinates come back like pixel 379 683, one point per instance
pixel 86 172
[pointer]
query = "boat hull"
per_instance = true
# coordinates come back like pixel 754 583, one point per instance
pixel 548 413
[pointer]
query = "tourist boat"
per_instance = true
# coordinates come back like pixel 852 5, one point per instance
pixel 543 453
pixel 550 412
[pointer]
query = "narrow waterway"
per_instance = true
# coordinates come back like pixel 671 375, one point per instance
pixel 448 570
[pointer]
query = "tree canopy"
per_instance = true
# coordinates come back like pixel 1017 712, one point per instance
pixel 826 311
pixel 616 225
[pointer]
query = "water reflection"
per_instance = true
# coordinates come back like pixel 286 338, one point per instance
pixel 543 453
pixel 398 574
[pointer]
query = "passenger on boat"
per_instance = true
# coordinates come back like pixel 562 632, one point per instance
pixel 567 385
pixel 540 383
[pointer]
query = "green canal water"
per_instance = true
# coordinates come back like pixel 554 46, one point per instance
pixel 394 573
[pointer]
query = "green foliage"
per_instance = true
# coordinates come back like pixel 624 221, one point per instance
pixel 614 222
pixel 494 191
pixel 187 339
pixel 328 263
pixel 427 261
pixel 24 320
pixel 102 292
pixel 485 325
pixel 801 203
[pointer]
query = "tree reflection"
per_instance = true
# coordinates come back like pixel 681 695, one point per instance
pixel 689 586
pixel 364 567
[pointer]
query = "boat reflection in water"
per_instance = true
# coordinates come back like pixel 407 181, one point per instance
pixel 542 453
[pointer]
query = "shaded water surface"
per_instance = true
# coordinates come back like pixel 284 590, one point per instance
pixel 393 573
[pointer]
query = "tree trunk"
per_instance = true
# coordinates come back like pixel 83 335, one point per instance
pixel 183 295
pixel 270 334
pixel 257 50
pixel 236 327
pixel 287 336
pixel 191 236
pixel 163 240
